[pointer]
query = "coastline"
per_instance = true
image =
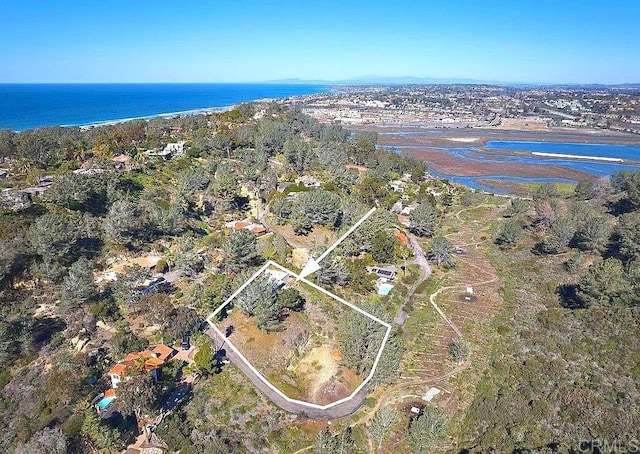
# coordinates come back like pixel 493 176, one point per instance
pixel 183 113
pixel 32 106
pixel 168 115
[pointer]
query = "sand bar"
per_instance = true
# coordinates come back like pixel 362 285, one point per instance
pixel 576 156
pixel 463 139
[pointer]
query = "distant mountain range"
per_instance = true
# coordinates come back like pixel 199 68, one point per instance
pixel 411 80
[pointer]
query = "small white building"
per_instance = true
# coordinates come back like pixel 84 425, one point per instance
pixel 175 149
pixel 308 181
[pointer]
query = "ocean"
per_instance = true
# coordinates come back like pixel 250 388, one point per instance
pixel 28 106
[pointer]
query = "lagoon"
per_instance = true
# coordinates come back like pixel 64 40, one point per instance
pixel 625 152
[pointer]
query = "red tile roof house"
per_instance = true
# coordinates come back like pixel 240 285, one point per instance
pixel 151 359
pixel 256 229
pixel 401 237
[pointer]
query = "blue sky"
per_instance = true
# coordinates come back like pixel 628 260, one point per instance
pixel 544 41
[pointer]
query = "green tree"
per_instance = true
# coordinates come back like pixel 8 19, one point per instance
pixel 365 146
pixel 341 443
pixel 291 298
pixel 205 358
pixel 127 342
pixel 7 144
pixel 383 247
pixel 423 220
pixel 561 232
pixel 136 394
pixel 192 180
pixel 297 154
pixel 546 191
pixel 373 189
pixel 389 364
pixel 335 273
pixel 103 438
pixel 604 283
pixel 282 209
pixel 361 240
pixel 360 338
pixel 382 424
pixel 241 249
pixel 332 156
pixel 157 309
pixel 584 190
pixel 223 143
pixel 259 299
pixel 122 222
pixel 183 320
pixel 11 258
pixel 268 314
pixel 319 207
pixel 628 182
pixel 441 251
pixel 301 224
pixel 509 234
pixel 271 136
pixel 78 286
pixel 459 350
pixel 574 262
pixel 518 207
pixel 426 430
pixel 77 191
pixel 53 236
pixel 592 233
pixel 225 184
pixel 255 294
pixel 628 235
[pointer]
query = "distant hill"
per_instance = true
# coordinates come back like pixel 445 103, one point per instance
pixel 385 80
pixel 412 80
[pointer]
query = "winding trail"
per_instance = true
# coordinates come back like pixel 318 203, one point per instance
pixel 411 387
pixel 420 260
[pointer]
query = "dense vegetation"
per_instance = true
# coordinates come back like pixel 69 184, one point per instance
pixel 563 365
pixel 565 370
pixel 60 330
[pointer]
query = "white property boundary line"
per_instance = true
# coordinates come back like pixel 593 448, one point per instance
pixel 326 292
pixel 344 237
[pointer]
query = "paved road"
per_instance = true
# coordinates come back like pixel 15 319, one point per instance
pixel 338 411
pixel 421 261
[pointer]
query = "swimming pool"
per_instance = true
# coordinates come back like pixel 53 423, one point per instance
pixel 105 402
pixel 384 289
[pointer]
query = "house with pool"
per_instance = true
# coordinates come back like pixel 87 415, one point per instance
pixel 151 360
pixel 385 276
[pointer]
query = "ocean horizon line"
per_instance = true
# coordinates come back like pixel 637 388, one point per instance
pixel 31 106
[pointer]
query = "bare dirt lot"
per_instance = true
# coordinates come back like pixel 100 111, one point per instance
pixel 320 236
pixel 303 359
